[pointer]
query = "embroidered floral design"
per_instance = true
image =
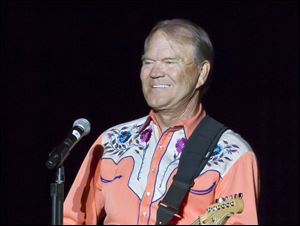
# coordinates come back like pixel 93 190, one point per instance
pixel 119 140
pixel 122 140
pixel 124 136
pixel 180 144
pixel 217 150
pixel 222 153
pixel 146 135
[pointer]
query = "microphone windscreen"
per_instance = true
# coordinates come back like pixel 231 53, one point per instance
pixel 84 124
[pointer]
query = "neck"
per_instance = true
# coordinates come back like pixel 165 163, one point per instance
pixel 169 117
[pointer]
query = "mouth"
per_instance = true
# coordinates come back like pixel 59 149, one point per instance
pixel 160 86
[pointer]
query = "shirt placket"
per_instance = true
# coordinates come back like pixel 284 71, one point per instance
pixel 145 207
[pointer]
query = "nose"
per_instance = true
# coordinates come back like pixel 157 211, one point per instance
pixel 156 71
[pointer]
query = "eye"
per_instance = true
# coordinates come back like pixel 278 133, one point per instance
pixel 148 62
pixel 170 61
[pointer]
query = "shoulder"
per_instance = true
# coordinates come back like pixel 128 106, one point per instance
pixel 132 123
pixel 233 139
pixel 230 148
pixel 123 131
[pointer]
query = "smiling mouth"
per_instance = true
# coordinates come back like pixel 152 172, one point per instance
pixel 161 86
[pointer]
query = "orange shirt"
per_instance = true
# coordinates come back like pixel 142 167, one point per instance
pixel 130 166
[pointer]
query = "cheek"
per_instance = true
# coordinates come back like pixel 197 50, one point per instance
pixel 181 77
pixel 190 77
pixel 144 73
pixel 144 79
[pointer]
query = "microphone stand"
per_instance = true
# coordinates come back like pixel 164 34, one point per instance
pixel 55 160
pixel 57 196
pixel 81 127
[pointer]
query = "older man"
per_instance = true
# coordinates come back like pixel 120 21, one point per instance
pixel 130 167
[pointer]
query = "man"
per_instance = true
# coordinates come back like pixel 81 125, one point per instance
pixel 130 167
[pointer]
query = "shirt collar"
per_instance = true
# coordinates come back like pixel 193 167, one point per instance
pixel 189 124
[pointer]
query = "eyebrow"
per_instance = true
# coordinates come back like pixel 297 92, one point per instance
pixel 166 58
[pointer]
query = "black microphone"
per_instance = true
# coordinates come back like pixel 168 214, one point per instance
pixel 81 127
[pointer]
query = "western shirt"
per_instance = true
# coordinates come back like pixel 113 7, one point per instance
pixel 130 167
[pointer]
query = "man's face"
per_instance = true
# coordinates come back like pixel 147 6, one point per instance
pixel 169 75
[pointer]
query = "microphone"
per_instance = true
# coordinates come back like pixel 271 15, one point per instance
pixel 81 127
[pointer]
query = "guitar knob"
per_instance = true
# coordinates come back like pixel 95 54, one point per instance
pixel 219 200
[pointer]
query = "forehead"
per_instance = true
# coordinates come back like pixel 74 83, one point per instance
pixel 161 45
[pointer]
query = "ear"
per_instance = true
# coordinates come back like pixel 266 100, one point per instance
pixel 203 70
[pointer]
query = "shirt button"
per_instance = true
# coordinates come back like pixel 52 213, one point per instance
pixel 144 213
pixel 148 193
pixel 160 147
pixel 153 170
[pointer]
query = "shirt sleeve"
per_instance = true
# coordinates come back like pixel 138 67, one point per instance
pixel 243 178
pixel 84 202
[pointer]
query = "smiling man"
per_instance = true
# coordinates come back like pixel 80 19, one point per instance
pixel 172 78
pixel 131 166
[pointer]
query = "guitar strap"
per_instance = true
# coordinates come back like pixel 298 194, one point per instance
pixel 193 159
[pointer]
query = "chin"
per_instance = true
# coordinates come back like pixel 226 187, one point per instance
pixel 157 103
pixel 157 106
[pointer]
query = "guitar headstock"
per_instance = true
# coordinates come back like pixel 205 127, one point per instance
pixel 218 213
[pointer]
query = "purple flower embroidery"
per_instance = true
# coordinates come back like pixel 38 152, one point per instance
pixel 110 135
pixel 146 135
pixel 180 144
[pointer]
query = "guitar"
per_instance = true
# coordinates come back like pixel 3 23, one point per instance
pixel 219 213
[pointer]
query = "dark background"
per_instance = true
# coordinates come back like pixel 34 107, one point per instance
pixel 64 60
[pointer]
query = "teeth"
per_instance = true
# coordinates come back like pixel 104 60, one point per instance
pixel 160 86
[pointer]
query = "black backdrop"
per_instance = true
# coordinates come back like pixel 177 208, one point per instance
pixel 65 60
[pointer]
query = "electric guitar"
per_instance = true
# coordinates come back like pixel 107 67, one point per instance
pixel 219 213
